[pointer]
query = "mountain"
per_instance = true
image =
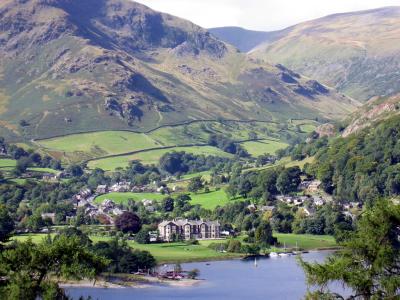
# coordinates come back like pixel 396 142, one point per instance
pixel 358 52
pixel 243 39
pixel 374 111
pixel 71 66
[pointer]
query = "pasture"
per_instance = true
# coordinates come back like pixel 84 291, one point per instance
pixel 257 148
pixel 152 157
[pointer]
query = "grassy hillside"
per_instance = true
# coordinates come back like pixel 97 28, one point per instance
pixel 356 52
pixel 111 149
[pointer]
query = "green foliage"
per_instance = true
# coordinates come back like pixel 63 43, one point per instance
pixel 128 222
pixel 27 267
pixel 195 184
pixel 122 258
pixel 288 180
pixel 234 246
pixel 6 224
pixel 263 235
pixel 182 162
pixel 363 166
pixel 368 263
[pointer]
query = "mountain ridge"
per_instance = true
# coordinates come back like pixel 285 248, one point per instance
pixel 69 67
pixel 340 51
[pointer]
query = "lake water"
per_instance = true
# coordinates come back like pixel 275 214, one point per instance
pixel 273 278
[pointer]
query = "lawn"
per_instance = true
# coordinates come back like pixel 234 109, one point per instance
pixel 178 252
pixel 210 200
pixel 206 200
pixel 257 148
pixel 306 241
pixel 100 143
pixel 7 163
pixel 152 157
pixel 44 170
pixel 122 198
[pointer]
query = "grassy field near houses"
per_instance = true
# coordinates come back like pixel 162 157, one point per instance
pixel 122 198
pixel 306 241
pixel 181 252
pixel 206 200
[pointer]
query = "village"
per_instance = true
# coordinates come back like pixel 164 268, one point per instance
pixel 308 200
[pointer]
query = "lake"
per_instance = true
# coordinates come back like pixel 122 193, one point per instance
pixel 273 278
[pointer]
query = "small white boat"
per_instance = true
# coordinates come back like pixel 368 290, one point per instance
pixel 273 254
pixel 283 254
pixel 255 262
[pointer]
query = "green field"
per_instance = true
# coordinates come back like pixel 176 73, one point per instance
pixel 206 200
pixel 122 198
pixel 306 241
pixel 257 148
pixel 44 170
pixel 152 157
pixel 100 143
pixel 210 200
pixel 7 163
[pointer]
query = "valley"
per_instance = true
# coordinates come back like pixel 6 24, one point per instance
pixel 132 141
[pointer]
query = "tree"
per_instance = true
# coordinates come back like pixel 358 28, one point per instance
pixel 75 170
pixel 27 266
pixel 22 165
pixel 369 263
pixel 128 222
pixel 168 204
pixel 6 224
pixel 143 237
pixel 122 258
pixel 195 184
pixel 234 246
pixel 263 235
pixel 35 222
pixel 288 180
pixel 182 200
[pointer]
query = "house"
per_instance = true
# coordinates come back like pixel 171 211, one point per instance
pixel 252 207
pixel 266 208
pixel 150 208
pixel 147 202
pixel 189 229
pixel 51 216
pixel 304 185
pixel 153 236
pixel 318 201
pixel 309 211
pixel 121 187
pixel 101 189
pixel 314 186
pixel 50 177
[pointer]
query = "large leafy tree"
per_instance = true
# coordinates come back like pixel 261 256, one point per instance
pixel 128 222
pixel 6 224
pixel 30 270
pixel 369 263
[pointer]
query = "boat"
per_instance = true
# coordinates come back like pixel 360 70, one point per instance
pixel 273 254
pixel 283 254
pixel 255 262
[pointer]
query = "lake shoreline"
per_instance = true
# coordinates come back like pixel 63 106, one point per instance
pixel 138 282
pixel 142 281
